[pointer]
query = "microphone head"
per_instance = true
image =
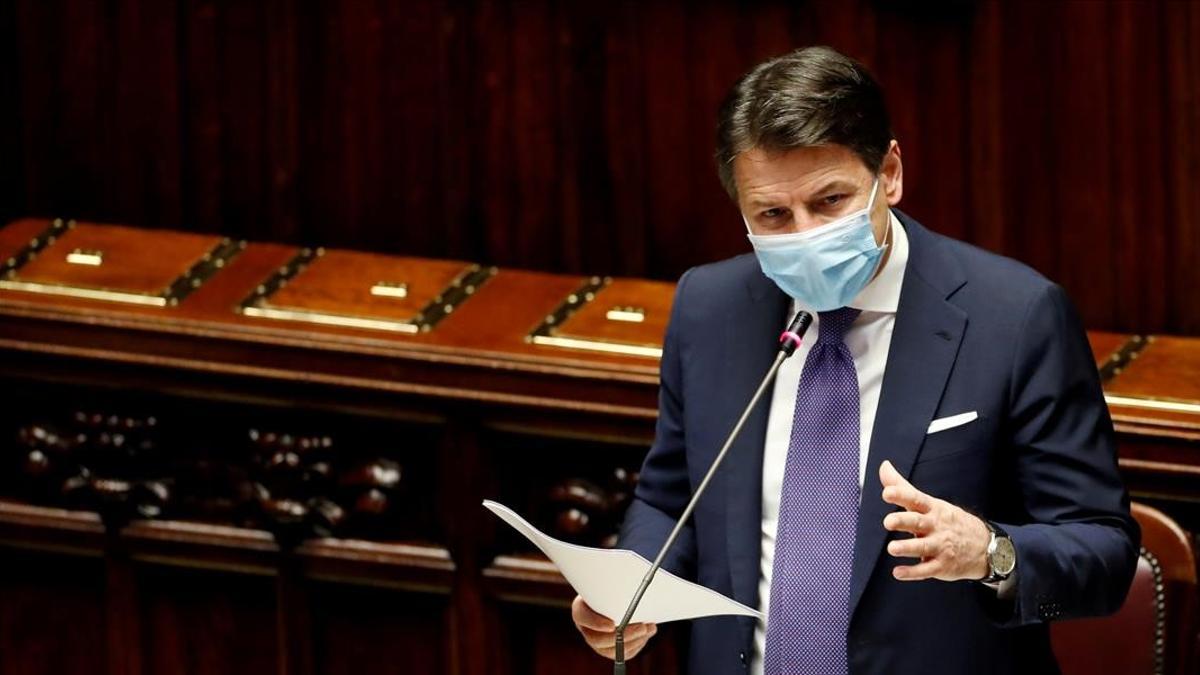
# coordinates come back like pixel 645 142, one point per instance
pixel 790 339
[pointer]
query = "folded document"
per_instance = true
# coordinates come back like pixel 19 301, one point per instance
pixel 608 578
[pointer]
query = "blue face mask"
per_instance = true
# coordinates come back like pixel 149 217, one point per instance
pixel 825 267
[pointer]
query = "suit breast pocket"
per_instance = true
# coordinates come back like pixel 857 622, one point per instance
pixel 963 436
pixel 955 464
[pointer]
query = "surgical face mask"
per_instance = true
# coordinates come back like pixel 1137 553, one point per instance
pixel 825 267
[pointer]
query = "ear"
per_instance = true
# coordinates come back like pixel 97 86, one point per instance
pixel 892 172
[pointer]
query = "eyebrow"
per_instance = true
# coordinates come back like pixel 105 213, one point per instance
pixel 758 202
pixel 835 185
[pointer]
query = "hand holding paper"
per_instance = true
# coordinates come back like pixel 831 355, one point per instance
pixel 607 578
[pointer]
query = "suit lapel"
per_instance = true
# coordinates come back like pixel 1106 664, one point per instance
pixel 751 334
pixel 925 343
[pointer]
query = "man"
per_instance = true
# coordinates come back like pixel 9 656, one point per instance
pixel 935 476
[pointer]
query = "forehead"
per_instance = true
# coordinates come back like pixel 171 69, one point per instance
pixel 763 174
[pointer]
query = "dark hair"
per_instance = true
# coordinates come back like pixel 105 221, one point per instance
pixel 810 97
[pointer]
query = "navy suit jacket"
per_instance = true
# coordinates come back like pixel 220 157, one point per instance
pixel 973 332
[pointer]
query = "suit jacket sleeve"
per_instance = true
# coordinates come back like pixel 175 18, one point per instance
pixel 663 487
pixel 1076 544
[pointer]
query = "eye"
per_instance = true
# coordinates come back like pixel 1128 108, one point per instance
pixel 833 200
pixel 771 214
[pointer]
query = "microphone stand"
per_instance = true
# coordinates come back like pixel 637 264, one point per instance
pixel 788 341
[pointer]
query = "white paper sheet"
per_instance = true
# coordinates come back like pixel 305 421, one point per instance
pixel 608 578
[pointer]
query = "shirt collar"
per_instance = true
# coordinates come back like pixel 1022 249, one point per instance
pixel 882 294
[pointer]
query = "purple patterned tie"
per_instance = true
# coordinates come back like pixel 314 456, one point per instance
pixel 809 612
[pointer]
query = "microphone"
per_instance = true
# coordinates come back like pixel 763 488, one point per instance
pixel 788 341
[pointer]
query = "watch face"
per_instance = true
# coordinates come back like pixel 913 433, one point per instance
pixel 1004 558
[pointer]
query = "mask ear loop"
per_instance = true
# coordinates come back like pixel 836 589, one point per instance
pixel 887 236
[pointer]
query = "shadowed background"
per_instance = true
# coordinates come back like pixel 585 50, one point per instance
pixel 577 136
pixel 571 137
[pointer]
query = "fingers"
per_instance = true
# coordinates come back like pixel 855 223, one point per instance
pixel 925 570
pixel 908 521
pixel 636 636
pixel 888 475
pixel 600 633
pixel 898 491
pixel 599 639
pixel 950 547
pixel 908 498
pixel 586 617
pixel 922 547
pixel 949 541
pixel 632 647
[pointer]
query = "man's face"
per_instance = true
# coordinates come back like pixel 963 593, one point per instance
pixel 797 190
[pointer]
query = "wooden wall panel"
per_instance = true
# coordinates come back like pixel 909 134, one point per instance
pixel 206 623
pixel 367 631
pixel 43 597
pixel 10 117
pixel 577 137
pixel 1181 114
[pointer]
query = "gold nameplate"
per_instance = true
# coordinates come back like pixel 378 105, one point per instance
pixel 390 289
pixel 82 257
pixel 628 314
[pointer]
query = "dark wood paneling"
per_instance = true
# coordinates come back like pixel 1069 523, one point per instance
pixel 363 631
pixel 44 597
pixel 1180 113
pixel 205 623
pixel 577 137
pixel 11 129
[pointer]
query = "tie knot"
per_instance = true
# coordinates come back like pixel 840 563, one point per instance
pixel 835 323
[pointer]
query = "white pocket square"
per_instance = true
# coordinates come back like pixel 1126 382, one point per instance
pixel 952 421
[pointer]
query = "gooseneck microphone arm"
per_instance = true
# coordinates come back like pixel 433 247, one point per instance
pixel 788 341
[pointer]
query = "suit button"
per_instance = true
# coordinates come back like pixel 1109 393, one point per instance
pixel 1048 611
pixel 742 657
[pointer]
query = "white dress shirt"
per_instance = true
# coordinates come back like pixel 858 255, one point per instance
pixel 869 339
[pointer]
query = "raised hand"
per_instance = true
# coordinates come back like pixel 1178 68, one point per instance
pixel 950 542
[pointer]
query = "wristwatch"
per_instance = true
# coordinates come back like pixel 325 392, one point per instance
pixel 1001 556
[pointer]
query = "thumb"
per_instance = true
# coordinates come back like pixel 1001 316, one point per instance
pixel 889 476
